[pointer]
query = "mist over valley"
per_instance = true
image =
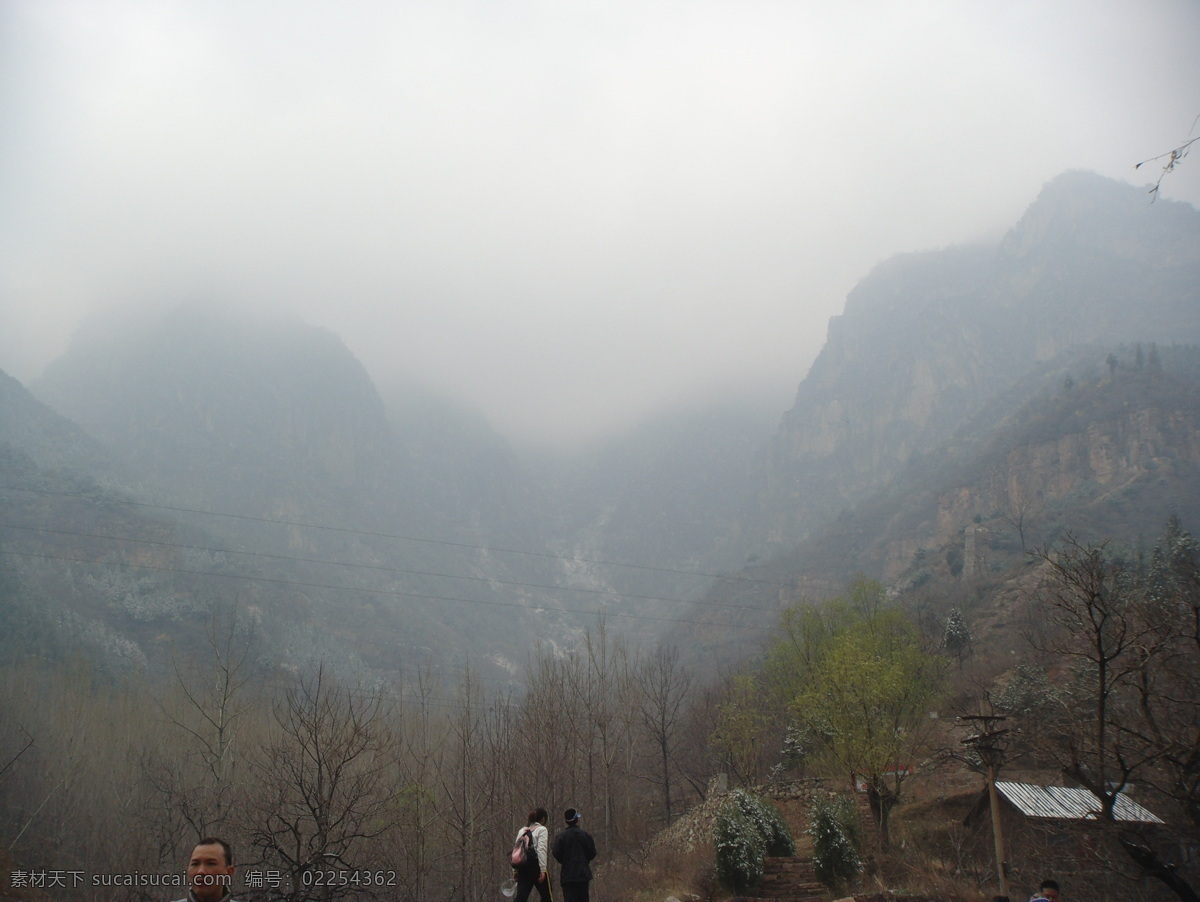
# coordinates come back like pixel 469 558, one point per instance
pixel 759 427
pixel 255 465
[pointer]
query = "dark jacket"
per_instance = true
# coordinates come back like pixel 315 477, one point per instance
pixel 573 849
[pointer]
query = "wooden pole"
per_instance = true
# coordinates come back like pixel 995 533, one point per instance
pixel 997 832
pixel 987 744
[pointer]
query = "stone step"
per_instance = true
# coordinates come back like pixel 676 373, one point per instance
pixel 802 889
pixel 789 889
pixel 790 880
pixel 787 865
pixel 785 887
pixel 782 880
pixel 796 876
pixel 791 877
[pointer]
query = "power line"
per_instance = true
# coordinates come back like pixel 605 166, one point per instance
pixel 368 591
pixel 180 546
pixel 400 537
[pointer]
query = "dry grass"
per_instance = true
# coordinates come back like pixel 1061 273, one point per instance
pixel 688 876
pixel 935 855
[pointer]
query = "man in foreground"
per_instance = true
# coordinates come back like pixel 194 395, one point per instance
pixel 210 871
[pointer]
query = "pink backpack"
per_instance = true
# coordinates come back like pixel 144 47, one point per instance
pixel 522 853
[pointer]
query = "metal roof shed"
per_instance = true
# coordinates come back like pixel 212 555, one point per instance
pixel 1072 803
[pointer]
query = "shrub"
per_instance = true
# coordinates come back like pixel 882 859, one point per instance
pixel 747 830
pixel 768 823
pixel 837 835
pixel 739 852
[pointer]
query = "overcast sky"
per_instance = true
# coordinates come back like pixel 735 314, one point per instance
pixel 568 212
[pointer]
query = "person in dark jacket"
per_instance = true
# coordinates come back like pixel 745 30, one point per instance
pixel 573 848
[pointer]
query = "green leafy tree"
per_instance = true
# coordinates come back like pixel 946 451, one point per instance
pixel 867 696
pixel 805 633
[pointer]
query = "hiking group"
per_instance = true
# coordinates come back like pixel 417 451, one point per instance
pixel 573 849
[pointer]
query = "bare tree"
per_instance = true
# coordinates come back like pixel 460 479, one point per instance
pixel 26 743
pixel 469 804
pixel 328 790
pixel 546 744
pixel 196 779
pixel 1173 158
pixel 1018 507
pixel 665 687
pixel 1087 597
pixel 1116 645
pixel 423 741
pixel 69 790
pixel 1168 686
pixel 606 702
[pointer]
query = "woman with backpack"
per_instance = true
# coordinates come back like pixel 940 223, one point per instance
pixel 531 872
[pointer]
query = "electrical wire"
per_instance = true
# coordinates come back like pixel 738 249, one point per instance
pixel 179 546
pixel 400 537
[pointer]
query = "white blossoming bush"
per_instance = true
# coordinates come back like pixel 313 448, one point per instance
pixel 739 851
pixel 836 835
pixel 768 823
pixel 746 831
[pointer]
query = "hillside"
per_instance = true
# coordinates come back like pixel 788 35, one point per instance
pixel 971 403
pixel 1105 453
pixel 927 340
pixel 470 630
pixel 392 528
pixel 388 535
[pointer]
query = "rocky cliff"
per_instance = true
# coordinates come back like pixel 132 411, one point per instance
pixel 926 340
pixel 1111 455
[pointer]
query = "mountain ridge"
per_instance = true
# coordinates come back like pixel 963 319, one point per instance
pixel 400 529
pixel 927 338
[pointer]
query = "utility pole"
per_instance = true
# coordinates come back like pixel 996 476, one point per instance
pixel 988 746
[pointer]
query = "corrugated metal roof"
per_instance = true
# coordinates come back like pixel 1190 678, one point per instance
pixel 1069 803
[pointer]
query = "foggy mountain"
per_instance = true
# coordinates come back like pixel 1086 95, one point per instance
pixel 973 403
pixel 256 461
pixel 271 419
pixel 385 534
pixel 927 339
pixel 30 428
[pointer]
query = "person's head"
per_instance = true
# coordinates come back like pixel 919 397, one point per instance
pixel 538 816
pixel 210 869
pixel 1050 890
pixel 572 815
